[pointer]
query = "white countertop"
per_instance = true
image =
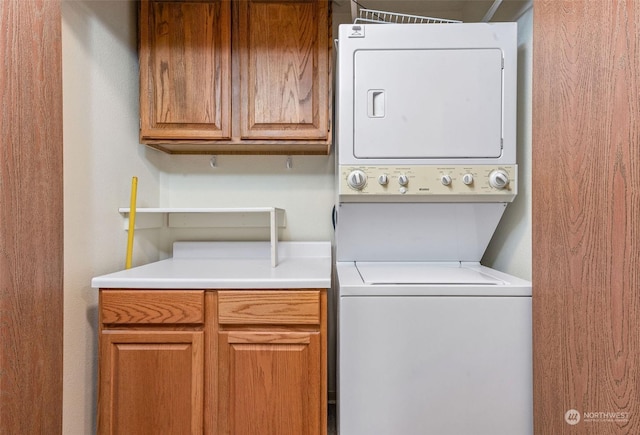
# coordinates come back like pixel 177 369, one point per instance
pixel 230 265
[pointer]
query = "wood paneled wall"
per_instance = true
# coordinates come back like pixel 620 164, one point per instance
pixel 586 216
pixel 31 242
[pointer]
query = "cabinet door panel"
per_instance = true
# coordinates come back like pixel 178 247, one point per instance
pixel 269 383
pixel 151 382
pixel 185 72
pixel 284 77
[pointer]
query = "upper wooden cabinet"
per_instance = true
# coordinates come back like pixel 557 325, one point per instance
pixel 185 70
pixel 244 77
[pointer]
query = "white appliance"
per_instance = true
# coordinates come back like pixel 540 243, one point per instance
pixel 429 340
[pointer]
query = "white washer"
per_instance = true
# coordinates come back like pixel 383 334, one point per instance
pixel 433 348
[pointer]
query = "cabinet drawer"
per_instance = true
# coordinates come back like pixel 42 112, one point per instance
pixel 299 307
pixel 152 306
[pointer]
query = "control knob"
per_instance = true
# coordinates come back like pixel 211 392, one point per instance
pixel 403 180
pixel 357 179
pixel 383 179
pixel 498 179
pixel 445 180
pixel 467 179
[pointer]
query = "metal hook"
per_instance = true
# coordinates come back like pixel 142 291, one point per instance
pixel 213 162
pixel 289 162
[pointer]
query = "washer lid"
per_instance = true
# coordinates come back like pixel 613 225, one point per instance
pixel 407 273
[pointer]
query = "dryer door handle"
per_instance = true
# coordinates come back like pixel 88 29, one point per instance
pixel 376 103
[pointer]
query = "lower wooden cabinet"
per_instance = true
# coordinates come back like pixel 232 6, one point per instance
pixel 271 362
pixel 269 383
pixel 245 362
pixel 151 382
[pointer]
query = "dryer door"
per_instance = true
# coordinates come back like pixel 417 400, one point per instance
pixel 431 103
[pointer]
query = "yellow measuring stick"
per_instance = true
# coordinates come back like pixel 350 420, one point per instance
pixel 132 221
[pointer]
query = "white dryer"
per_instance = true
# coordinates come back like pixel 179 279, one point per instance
pixel 429 340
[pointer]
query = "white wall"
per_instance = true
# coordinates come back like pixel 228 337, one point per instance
pixel 101 154
pixel 510 248
pixel 306 192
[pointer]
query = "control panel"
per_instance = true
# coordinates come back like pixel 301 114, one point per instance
pixel 426 182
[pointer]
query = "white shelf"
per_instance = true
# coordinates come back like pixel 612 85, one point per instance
pixel 241 217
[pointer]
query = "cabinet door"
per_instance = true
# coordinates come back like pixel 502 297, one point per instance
pixel 270 383
pixel 185 70
pixel 151 382
pixel 284 71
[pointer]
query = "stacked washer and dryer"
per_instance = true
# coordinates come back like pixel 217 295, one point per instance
pixel 429 340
